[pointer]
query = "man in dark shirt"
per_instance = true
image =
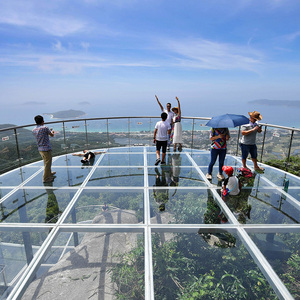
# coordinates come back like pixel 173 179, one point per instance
pixel 41 134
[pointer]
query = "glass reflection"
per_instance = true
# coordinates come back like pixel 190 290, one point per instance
pixel 180 206
pixel 282 252
pixel 104 265
pixel 16 252
pixel 34 206
pixel 187 267
pixel 108 207
pixel 117 177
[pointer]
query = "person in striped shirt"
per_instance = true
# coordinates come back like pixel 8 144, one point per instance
pixel 42 134
pixel 219 138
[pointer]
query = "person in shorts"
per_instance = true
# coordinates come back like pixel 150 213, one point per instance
pixel 248 140
pixel 169 119
pixel 161 132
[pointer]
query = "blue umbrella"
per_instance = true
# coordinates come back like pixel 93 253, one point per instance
pixel 227 120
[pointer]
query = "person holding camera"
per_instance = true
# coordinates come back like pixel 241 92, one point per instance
pixel 248 140
pixel 41 134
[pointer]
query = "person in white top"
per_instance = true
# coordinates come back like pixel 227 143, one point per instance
pixel 161 132
pixel 232 184
pixel 170 117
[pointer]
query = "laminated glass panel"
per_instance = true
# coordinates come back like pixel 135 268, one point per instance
pixel 117 177
pixel 100 265
pixel 202 265
pixel 281 249
pixel 17 249
pixel 108 207
pixel 64 177
pixel 17 176
pixel 173 176
pixel 180 206
pixel 35 206
pixel 122 160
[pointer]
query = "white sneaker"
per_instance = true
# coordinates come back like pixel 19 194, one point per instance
pixel 208 176
pixel 220 176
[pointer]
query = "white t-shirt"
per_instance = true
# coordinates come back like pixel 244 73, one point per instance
pixel 233 185
pixel 170 116
pixel 162 130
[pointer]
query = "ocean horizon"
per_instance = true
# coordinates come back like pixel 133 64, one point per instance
pixel 276 115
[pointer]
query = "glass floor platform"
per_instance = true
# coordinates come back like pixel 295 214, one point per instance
pixel 123 228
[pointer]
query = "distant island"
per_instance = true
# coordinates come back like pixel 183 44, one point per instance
pixel 289 103
pixel 66 114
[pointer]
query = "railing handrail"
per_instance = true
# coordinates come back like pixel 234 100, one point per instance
pixel 136 117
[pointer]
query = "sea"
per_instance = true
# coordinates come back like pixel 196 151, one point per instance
pixel 276 115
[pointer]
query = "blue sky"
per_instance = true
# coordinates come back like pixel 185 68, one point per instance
pixel 116 55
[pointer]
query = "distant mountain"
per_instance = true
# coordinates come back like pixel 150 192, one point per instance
pixel 2 126
pixel 66 114
pixel 289 103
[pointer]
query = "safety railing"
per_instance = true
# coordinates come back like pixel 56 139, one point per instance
pixel 18 145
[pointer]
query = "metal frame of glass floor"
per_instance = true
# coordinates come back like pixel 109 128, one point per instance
pixel 73 237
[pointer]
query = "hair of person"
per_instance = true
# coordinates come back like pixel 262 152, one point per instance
pixel 164 116
pixel 38 119
pixel 169 104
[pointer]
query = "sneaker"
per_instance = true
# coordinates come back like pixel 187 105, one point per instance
pixel 83 161
pixel 53 173
pixel 163 163
pixel 168 148
pixel 157 162
pixel 208 176
pixel 220 176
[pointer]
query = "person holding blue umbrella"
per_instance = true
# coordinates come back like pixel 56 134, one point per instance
pixel 219 138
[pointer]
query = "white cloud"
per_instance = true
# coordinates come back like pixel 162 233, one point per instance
pixel 40 16
pixel 58 46
pixel 205 54
pixel 85 45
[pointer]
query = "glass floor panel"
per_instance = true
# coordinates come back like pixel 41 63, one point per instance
pixel 17 248
pixel 203 265
pixel 282 252
pixel 64 177
pixel 89 265
pixel 129 159
pixel 35 205
pixel 123 228
pixel 180 206
pixel 117 177
pixel 108 207
pixel 174 176
pixel 17 176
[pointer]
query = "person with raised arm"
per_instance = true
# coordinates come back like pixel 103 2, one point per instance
pixel 170 116
pixel 176 133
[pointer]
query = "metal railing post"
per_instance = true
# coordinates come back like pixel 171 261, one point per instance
pixel 129 132
pixel 289 153
pixel 263 144
pixel 192 145
pixel 107 133
pixel 65 141
pixel 17 145
pixel 86 135
pixel 237 142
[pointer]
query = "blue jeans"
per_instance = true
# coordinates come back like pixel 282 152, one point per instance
pixel 214 153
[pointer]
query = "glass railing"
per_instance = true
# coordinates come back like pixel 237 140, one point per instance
pixel 18 145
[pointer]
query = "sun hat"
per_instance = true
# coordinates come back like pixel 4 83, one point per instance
pixel 228 170
pixel 255 115
pixel 175 108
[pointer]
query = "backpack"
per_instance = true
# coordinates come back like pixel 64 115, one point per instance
pixel 245 172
